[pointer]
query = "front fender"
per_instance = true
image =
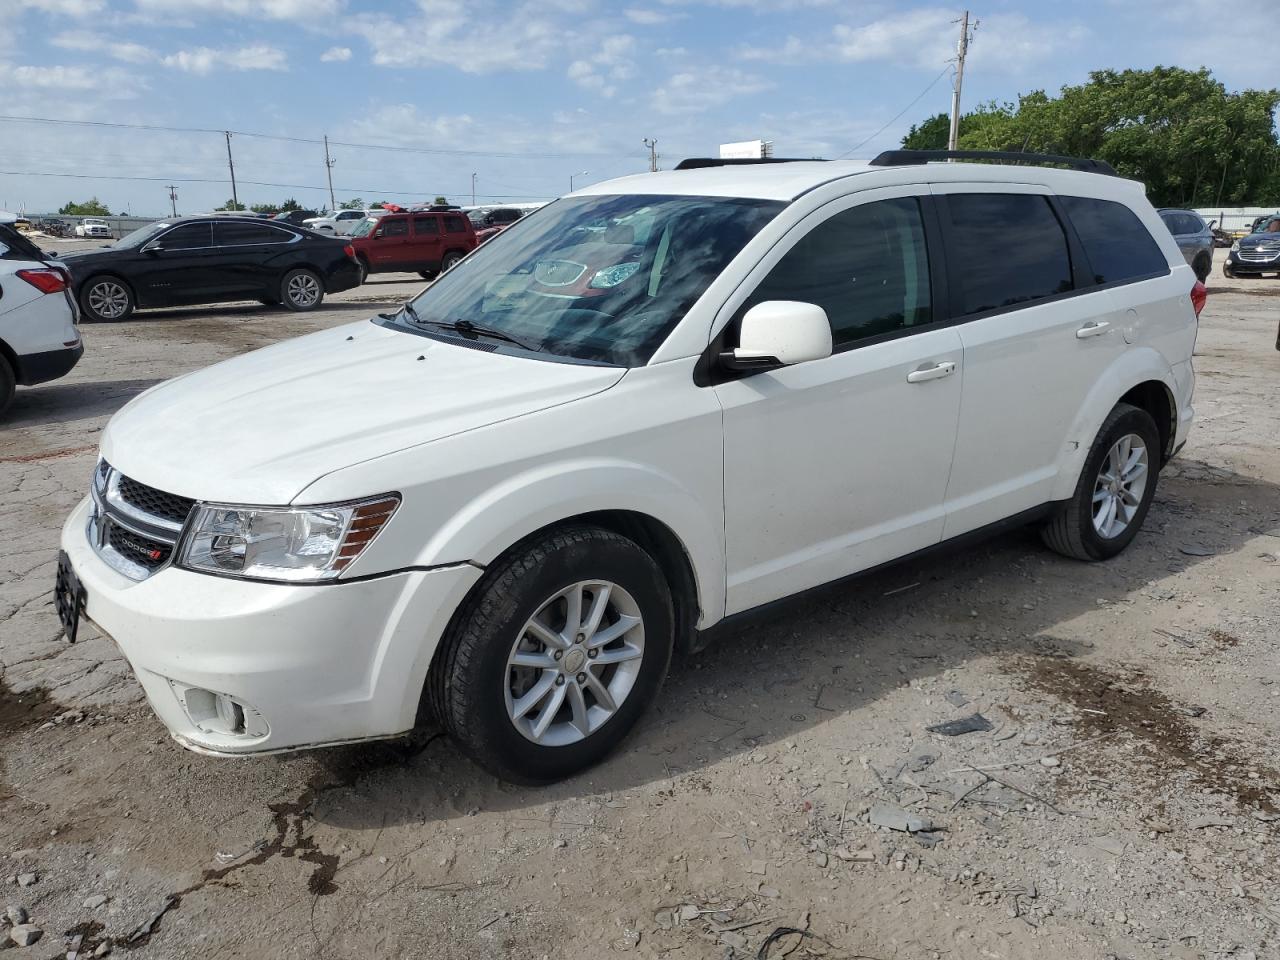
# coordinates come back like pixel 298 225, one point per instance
pixel 1135 366
pixel 547 494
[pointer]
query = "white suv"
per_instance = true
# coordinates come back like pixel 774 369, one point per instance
pixel 651 406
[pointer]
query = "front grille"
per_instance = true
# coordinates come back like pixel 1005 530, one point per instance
pixel 144 551
pixel 1260 253
pixel 155 502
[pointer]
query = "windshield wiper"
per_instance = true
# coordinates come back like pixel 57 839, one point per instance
pixel 467 328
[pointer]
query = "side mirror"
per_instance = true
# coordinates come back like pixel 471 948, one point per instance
pixel 779 333
pixel 153 248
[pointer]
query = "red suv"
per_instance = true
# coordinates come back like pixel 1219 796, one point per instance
pixel 425 242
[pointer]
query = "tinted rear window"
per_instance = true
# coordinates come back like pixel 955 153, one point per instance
pixel 455 224
pixel 1117 244
pixel 426 226
pixel 236 232
pixel 1005 249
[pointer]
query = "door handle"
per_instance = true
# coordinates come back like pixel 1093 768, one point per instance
pixel 939 370
pixel 1094 328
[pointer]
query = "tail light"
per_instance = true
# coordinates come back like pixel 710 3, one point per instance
pixel 1198 297
pixel 46 280
pixel 350 251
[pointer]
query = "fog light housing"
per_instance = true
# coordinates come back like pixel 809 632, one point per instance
pixel 220 713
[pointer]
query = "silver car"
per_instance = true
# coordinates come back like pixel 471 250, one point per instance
pixel 1194 238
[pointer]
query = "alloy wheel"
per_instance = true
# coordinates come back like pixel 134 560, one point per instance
pixel 304 290
pixel 1120 485
pixel 108 299
pixel 574 663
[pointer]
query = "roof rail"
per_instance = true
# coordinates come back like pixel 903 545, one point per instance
pixel 906 158
pixel 698 163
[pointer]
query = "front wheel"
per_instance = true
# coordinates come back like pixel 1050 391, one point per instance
pixel 301 290
pixel 555 655
pixel 1114 491
pixel 1202 267
pixel 426 275
pixel 106 299
pixel 7 383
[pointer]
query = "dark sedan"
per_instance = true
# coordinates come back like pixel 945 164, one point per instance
pixel 211 260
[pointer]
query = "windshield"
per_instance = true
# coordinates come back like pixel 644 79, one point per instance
pixel 140 236
pixel 596 278
pixel 364 227
pixel 1269 224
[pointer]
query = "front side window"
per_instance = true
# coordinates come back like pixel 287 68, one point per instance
pixel 1004 250
pixel 188 236
pixel 866 266
pixel 1117 245
pixel 599 279
pixel 395 228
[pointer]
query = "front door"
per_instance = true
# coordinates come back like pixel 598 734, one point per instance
pixel 390 247
pixel 836 465
pixel 175 267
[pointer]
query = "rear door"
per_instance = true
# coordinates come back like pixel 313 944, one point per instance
pixel 426 242
pixel 246 255
pixel 1037 332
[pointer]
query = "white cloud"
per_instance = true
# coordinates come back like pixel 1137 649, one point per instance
pixel 90 42
pixel 295 10
pixel 602 70
pixel 111 83
pixel 648 17
pixel 204 60
pixel 65 8
pixel 700 88
pixel 336 55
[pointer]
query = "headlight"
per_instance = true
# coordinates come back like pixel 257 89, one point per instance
pixel 1235 246
pixel 285 543
pixel 612 276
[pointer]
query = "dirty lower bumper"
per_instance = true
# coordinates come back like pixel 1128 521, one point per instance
pixel 235 667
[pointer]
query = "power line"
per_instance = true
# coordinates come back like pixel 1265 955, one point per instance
pixel 508 155
pixel 253 183
pixel 898 116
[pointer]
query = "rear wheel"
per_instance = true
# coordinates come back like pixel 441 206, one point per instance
pixel 364 269
pixel 7 383
pixel 106 299
pixel 451 260
pixel 1114 491
pixel 301 290
pixel 556 654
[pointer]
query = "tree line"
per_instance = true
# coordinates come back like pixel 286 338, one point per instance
pixel 1181 132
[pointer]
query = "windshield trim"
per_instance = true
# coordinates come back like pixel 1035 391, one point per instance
pixel 402 324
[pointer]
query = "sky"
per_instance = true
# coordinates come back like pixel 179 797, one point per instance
pixel 524 95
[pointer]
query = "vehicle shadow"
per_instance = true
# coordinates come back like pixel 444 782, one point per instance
pixel 231 311
pixel 829 653
pixel 68 402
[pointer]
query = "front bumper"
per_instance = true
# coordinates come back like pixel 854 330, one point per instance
pixel 311 665
pixel 1253 266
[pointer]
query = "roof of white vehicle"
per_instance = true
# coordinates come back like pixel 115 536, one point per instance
pixel 786 181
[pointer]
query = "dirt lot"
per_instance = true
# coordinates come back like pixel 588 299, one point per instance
pixel 1124 803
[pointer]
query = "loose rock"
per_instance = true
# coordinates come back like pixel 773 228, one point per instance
pixel 27 879
pixel 25 934
pixel 94 902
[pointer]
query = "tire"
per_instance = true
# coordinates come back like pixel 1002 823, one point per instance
pixel 301 290
pixel 1075 530
pixel 476 692
pixel 8 382
pixel 451 260
pixel 364 270
pixel 106 299
pixel 426 275
pixel 1228 272
pixel 1203 266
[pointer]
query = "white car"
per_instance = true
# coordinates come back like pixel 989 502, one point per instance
pixel 39 340
pixel 340 222
pixel 91 227
pixel 661 403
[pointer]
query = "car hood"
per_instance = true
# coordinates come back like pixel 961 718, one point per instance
pixel 1261 240
pixel 263 426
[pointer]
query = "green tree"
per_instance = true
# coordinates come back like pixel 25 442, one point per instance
pixel 1189 139
pixel 290 204
pixel 441 201
pixel 263 208
pixel 353 204
pixel 85 208
pixel 232 205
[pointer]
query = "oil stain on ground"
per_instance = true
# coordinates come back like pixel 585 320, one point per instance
pixel 1128 705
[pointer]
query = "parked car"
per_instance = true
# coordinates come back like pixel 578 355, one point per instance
pixel 338 222
pixel 210 260
pixel 92 227
pixel 426 242
pixel 1260 222
pixel 1194 238
pixel 1259 252
pixel 295 217
pixel 55 226
pixel 509 507
pixel 39 341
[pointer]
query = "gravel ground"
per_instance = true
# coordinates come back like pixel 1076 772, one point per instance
pixel 1123 804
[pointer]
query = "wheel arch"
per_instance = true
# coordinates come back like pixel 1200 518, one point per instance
pixel 1140 376
pixel 102 274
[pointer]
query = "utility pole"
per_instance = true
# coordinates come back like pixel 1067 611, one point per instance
pixel 235 201
pixel 173 199
pixel 328 172
pixel 962 50
pixel 653 154
pixel 473 189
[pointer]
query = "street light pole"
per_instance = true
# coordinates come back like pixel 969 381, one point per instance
pixel 473 189
pixel 573 176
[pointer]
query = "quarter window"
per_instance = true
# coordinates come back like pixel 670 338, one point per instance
pixel 455 224
pixel 1117 244
pixel 866 266
pixel 188 236
pixel 1005 249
